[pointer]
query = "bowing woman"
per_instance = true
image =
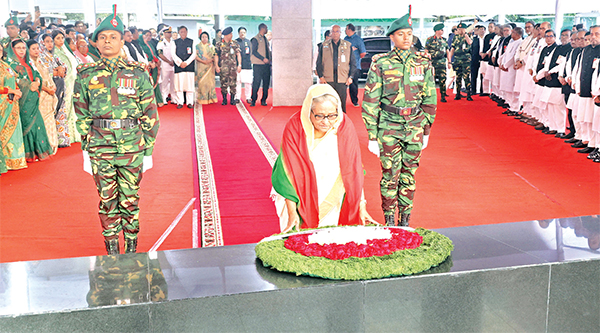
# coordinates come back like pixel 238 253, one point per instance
pixel 29 81
pixel 318 176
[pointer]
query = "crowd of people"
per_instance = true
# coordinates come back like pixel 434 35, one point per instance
pixel 38 68
pixel 544 78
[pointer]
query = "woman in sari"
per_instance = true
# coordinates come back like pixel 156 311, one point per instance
pixel 206 62
pixel 318 176
pixel 12 153
pixel 153 64
pixel 48 98
pixel 29 81
pixel 59 71
pixel 66 57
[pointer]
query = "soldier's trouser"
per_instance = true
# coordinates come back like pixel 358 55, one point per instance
pixel 463 73
pixel 228 80
pixel 118 179
pixel 440 78
pixel 400 152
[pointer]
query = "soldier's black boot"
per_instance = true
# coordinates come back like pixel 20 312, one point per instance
pixel 224 99
pixel 389 220
pixel 404 219
pixel 443 99
pixel 469 98
pixel 112 246
pixel 130 245
pixel 457 97
pixel 232 100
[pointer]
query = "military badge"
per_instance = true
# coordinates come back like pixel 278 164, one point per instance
pixel 417 73
pixel 126 87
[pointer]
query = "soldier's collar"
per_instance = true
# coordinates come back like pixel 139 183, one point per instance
pixel 112 64
pixel 402 54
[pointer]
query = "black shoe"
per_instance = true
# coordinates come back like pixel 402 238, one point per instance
pixel 252 103
pixel 249 101
pixel 443 99
pixel 179 106
pixel 571 140
pixel 355 105
pixel 263 103
pixel 545 130
pixel 551 132
pixel 571 135
pixel 389 220
pixel 484 95
pixel 233 101
pixel 579 144
pixel 469 98
pixel 597 160
pixel 112 246
pixel 559 135
pixel 130 245
pixel 594 154
pixel 586 150
pixel 404 218
pixel 224 99
pixel 190 106
pixel 457 97
pixel 506 112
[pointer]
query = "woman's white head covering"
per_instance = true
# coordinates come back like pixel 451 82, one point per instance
pixel 313 92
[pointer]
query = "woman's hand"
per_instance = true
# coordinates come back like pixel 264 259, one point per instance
pixel 35 85
pixel 218 69
pixel 61 71
pixel 17 93
pixel 365 218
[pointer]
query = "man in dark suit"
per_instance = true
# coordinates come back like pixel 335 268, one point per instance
pixel 476 49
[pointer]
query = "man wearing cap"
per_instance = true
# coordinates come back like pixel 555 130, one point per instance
pixel 230 64
pixel 336 64
pixel 167 66
pixel 183 51
pixel 118 122
pixel 12 30
pixel 399 106
pixel 461 51
pixel 436 45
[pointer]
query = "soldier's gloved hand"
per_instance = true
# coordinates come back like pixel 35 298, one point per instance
pixel 87 165
pixel 374 147
pixel 425 141
pixel 147 163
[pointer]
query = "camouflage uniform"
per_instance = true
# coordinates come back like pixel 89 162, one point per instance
pixel 399 107
pixel 228 62
pixel 437 48
pixel 462 63
pixel 117 280
pixel 116 90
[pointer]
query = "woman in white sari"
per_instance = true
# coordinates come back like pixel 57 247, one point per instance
pixel 318 177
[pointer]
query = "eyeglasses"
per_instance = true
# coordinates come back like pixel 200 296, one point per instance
pixel 330 117
pixel 550 36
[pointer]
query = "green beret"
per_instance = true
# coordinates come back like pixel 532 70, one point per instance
pixel 439 26
pixel 12 21
pixel 405 22
pixel 227 31
pixel 462 25
pixel 111 22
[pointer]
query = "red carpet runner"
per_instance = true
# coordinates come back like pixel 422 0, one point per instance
pixel 242 176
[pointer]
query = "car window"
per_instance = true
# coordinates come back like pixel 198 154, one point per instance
pixel 378 44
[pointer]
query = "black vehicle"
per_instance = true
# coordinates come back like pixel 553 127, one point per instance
pixel 373 45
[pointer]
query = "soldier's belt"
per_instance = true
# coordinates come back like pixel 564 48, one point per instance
pixel 400 111
pixel 116 123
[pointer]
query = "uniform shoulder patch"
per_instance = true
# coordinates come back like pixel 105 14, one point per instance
pixel 378 56
pixel 423 54
pixel 83 67
pixel 137 64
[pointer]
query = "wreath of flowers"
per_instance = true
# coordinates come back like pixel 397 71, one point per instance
pixel 433 250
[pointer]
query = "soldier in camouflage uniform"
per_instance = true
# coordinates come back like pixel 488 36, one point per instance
pixel 12 30
pixel 230 64
pixel 437 47
pixel 118 122
pixel 399 107
pixel 461 50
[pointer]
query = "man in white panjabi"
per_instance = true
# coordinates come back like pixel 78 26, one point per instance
pixel 507 65
pixel 183 51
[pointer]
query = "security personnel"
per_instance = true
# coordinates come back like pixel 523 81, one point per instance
pixel 230 64
pixel 12 30
pixel 118 122
pixel 399 106
pixel 436 45
pixel 461 50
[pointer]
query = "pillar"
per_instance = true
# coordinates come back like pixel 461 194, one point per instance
pixel 291 23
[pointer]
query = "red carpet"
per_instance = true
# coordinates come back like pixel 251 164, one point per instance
pixel 242 177
pixel 481 167
pixel 49 210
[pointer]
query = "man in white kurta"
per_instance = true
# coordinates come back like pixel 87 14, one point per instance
pixel 167 66
pixel 507 65
pixel 184 56
pixel 521 57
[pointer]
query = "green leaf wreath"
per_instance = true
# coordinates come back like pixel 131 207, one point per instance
pixel 433 251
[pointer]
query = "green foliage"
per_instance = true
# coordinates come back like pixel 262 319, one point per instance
pixel 434 250
pixel 75 16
